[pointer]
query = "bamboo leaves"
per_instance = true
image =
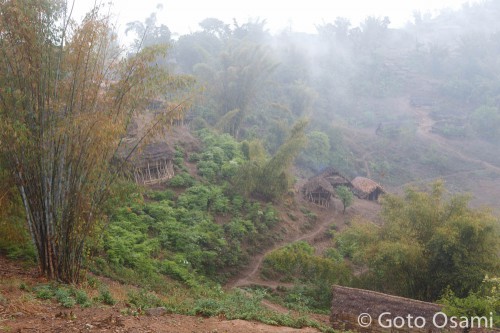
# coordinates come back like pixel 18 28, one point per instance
pixel 66 97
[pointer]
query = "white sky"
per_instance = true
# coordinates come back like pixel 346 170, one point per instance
pixel 182 16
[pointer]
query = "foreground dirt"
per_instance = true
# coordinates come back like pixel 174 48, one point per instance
pixel 110 320
pixel 21 312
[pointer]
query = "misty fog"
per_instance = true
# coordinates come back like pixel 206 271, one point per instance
pixel 402 106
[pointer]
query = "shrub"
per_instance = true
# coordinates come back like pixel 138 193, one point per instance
pixel 143 299
pixel 105 296
pixel 44 292
pixel 82 299
pixel 207 307
pixel 297 260
pixel 183 179
pixel 161 195
pixel 63 296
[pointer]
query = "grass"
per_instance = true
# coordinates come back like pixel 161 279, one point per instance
pixel 242 305
pixel 236 304
pixel 69 296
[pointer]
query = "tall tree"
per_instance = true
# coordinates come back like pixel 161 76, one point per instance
pixel 66 96
pixel 270 179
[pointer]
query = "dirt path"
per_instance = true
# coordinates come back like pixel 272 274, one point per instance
pixel 431 179
pixel 249 275
pixel 325 218
pixel 424 129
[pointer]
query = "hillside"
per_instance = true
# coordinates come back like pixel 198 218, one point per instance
pixel 226 179
pixel 21 312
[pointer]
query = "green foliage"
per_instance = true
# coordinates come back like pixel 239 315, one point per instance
pixel 220 158
pixel 345 195
pixel 308 297
pixel 66 296
pixel 143 299
pixel 239 228
pixel 352 240
pixel 63 296
pixel 297 260
pixel 207 308
pixel 84 100
pixel 235 79
pixel 178 237
pixel 105 296
pixel 333 254
pixel 426 245
pixel 15 239
pixel 271 179
pixel 183 179
pixel 316 154
pixel 82 298
pixel 242 305
pixel 484 302
pixel 161 195
pixel 44 292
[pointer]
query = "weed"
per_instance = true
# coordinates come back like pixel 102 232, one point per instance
pixel 208 307
pixel 63 296
pixel 44 292
pixel 93 282
pixel 105 296
pixel 143 299
pixel 3 300
pixel 82 299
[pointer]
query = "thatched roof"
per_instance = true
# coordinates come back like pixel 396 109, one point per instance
pixel 334 177
pixel 365 186
pixel 338 181
pixel 160 146
pixel 150 154
pixel 358 301
pixel 349 303
pixel 329 172
pixel 317 184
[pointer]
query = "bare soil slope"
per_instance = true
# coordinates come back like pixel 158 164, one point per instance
pixel 21 312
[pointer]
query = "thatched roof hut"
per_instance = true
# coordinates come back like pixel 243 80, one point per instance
pixel 153 164
pixel 349 303
pixel 319 191
pixel 365 188
pixel 321 187
pixel 149 163
pixel 334 177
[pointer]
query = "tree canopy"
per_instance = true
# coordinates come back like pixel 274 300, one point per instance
pixel 428 243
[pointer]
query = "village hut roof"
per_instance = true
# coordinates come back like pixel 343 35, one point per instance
pixel 333 176
pixel 355 300
pixel 152 153
pixel 317 183
pixel 365 185
pixel 338 180
pixel 349 303
pixel 327 172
